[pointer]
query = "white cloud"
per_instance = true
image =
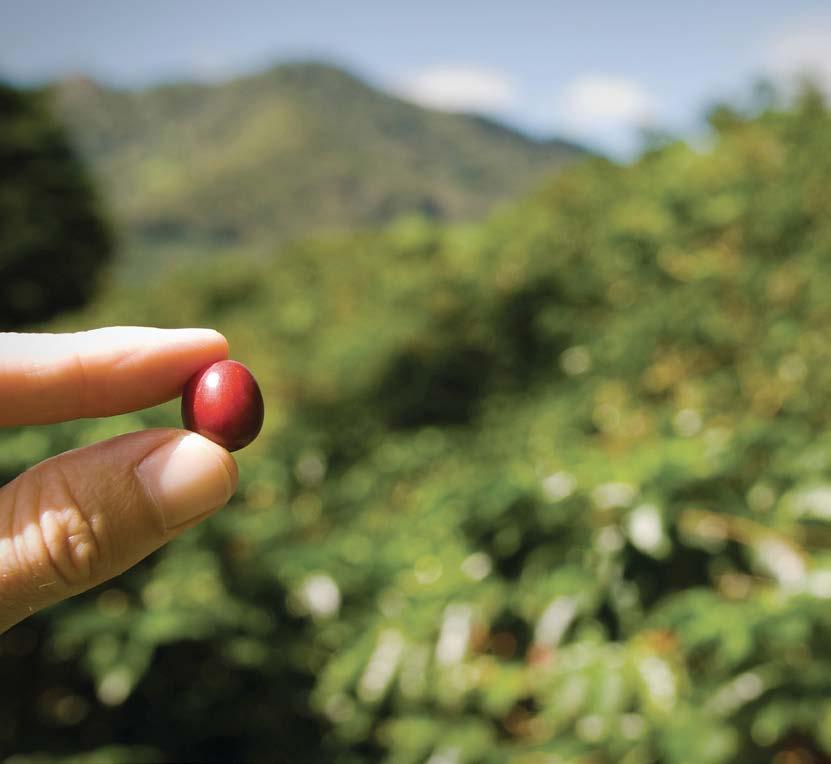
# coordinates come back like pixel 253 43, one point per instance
pixel 802 49
pixel 460 88
pixel 599 102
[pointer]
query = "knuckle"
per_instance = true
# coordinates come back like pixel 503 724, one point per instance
pixel 62 540
pixel 80 377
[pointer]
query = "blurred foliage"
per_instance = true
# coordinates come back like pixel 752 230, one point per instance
pixel 552 488
pixel 52 240
pixel 194 170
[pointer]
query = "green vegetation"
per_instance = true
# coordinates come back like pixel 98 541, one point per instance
pixel 193 170
pixel 551 488
pixel 52 240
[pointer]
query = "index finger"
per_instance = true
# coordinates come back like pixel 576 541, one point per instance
pixel 55 377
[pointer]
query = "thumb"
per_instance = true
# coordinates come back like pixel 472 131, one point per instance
pixel 80 518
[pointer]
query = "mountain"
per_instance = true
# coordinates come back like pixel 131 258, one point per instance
pixel 299 148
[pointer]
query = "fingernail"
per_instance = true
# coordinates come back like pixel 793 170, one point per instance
pixel 187 477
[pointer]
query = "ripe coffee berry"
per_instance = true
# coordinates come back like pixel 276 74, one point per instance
pixel 223 403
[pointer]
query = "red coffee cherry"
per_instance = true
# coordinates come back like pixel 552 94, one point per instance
pixel 223 403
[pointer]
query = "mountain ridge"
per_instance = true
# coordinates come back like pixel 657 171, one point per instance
pixel 293 150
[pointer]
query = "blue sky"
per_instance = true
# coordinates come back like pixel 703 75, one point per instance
pixel 594 71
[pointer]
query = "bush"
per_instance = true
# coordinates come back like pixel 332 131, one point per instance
pixel 552 488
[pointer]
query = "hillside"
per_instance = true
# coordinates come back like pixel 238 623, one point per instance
pixel 553 487
pixel 296 149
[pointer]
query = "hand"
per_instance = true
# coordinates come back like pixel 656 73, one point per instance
pixel 85 516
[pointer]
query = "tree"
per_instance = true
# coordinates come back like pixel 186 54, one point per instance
pixel 53 240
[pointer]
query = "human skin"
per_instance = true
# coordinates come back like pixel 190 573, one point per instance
pixel 83 517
